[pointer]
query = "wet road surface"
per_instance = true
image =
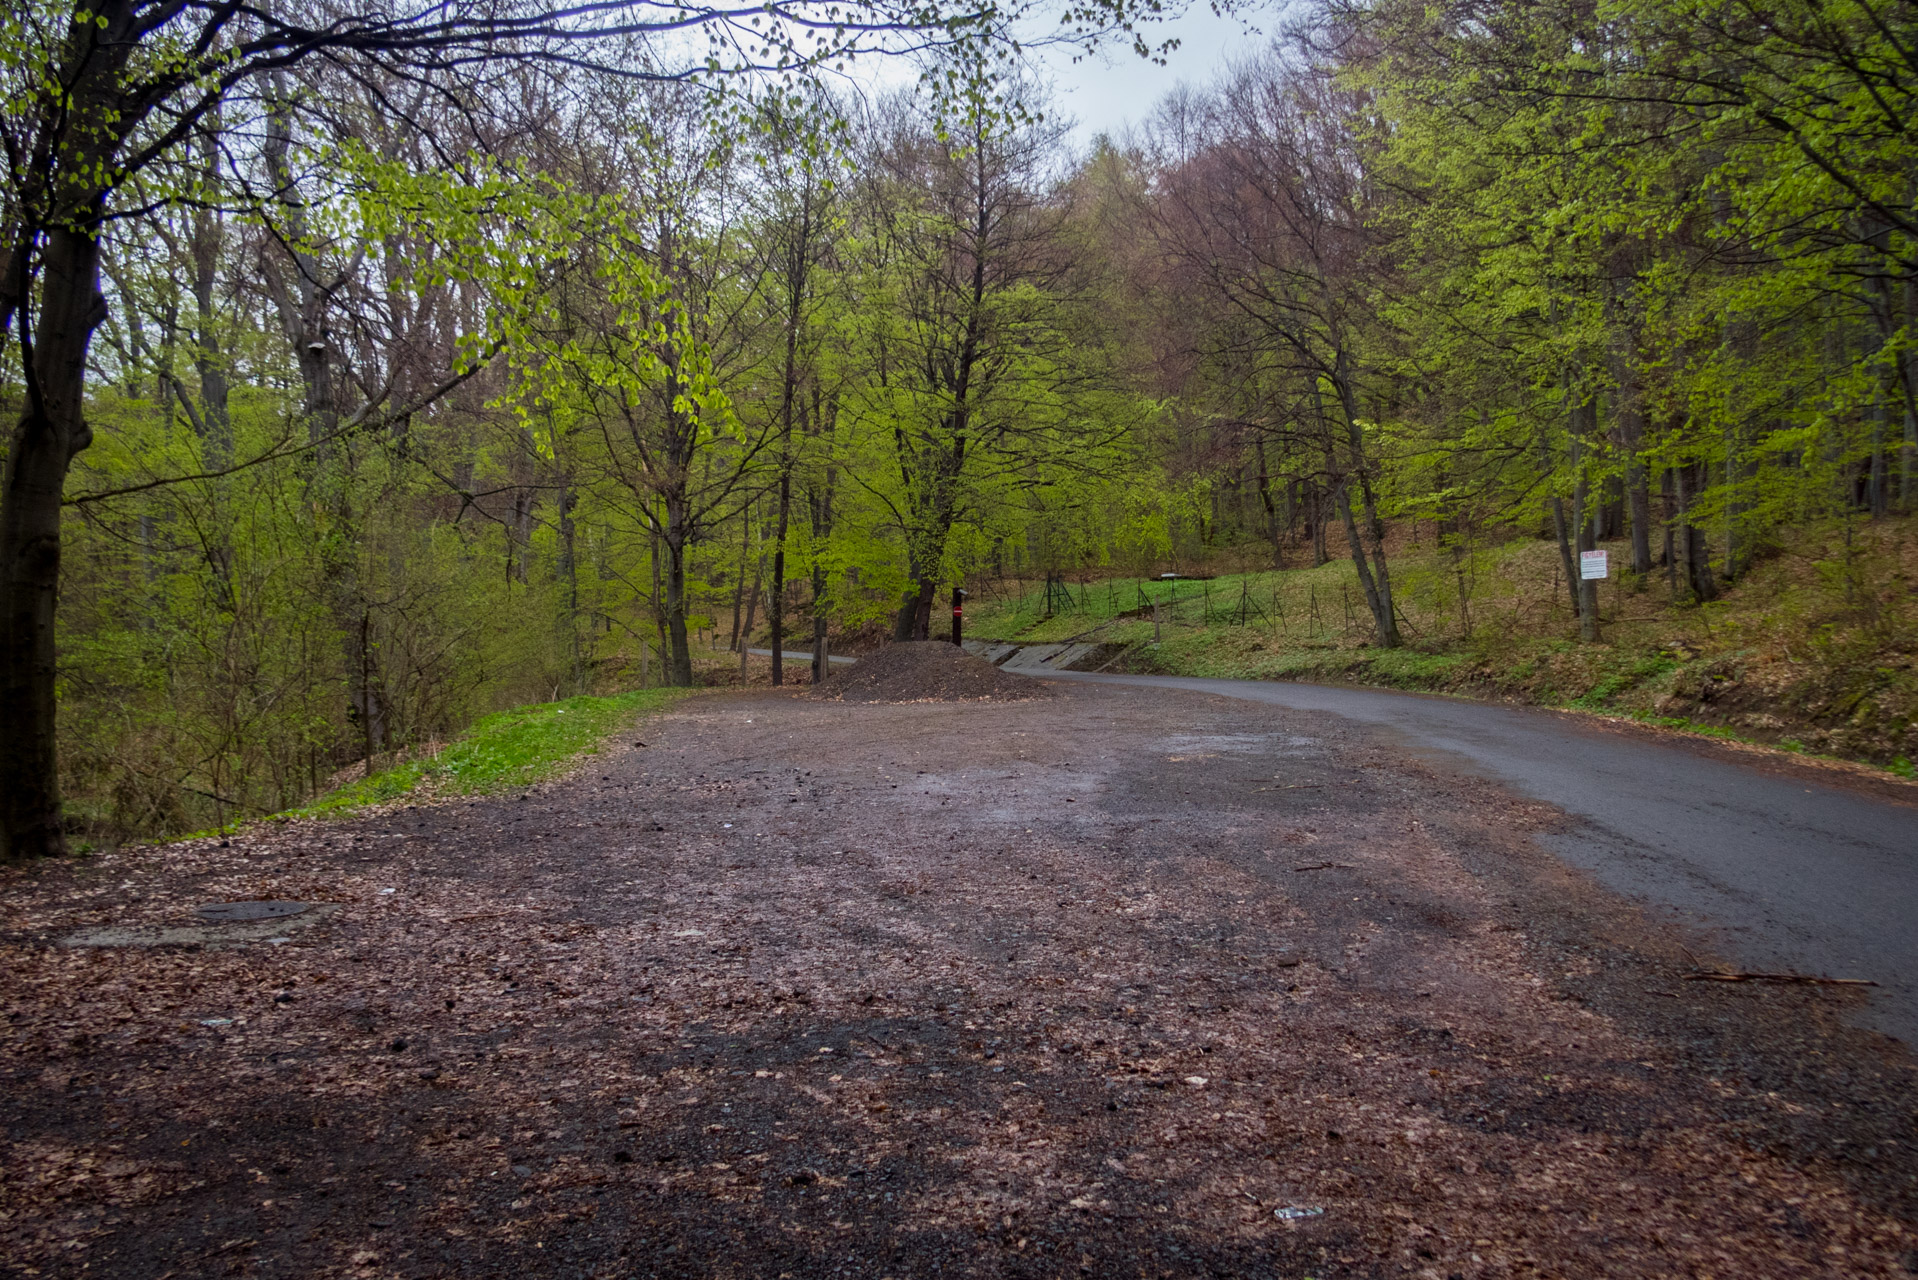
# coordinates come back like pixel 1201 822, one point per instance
pixel 804 655
pixel 1782 871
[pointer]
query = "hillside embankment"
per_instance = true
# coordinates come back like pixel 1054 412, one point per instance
pixel 1812 648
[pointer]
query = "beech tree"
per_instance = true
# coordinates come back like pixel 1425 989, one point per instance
pixel 101 93
pixel 1273 217
pixel 963 329
pixel 440 373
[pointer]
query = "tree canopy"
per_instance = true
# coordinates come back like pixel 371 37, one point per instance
pixel 375 371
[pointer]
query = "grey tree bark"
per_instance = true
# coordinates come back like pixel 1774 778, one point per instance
pixel 303 304
pixel 819 503
pixel 1694 551
pixel 54 337
pixel 1368 550
pixel 776 604
pixel 50 433
pixel 1584 513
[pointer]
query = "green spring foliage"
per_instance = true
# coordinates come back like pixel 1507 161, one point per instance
pixel 503 751
pixel 1472 291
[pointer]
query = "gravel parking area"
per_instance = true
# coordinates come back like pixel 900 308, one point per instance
pixel 1112 982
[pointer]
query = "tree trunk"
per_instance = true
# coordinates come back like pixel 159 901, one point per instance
pixel 302 309
pixel 216 447
pixel 1272 526
pixel 1374 579
pixel 679 658
pixel 569 583
pixel 752 608
pixel 1908 376
pixel 50 433
pixel 1562 530
pixel 659 612
pixel 1668 506
pixel 1878 493
pixel 52 428
pixel 519 536
pixel 821 657
pixel 933 506
pixel 776 605
pixel 1377 588
pixel 214 419
pixel 1630 414
pixel 1885 381
pixel 1694 554
pixel 1584 590
pixel 821 512
pixel 1321 554
pixel 739 587
pixel 914 621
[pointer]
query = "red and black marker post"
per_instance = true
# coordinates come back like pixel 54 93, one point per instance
pixel 958 612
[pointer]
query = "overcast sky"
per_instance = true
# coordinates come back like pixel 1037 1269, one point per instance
pixel 1111 89
pixel 1103 92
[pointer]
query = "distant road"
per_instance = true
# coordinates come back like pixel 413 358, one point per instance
pixel 801 655
pixel 1789 870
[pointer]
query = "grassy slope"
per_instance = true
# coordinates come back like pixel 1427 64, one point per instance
pixel 1815 648
pixel 502 751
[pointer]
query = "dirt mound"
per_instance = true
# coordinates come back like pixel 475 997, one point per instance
pixel 925 671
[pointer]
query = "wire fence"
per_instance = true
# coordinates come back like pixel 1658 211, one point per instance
pixel 1308 611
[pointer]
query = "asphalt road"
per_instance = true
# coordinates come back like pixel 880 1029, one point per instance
pixel 1781 871
pixel 803 655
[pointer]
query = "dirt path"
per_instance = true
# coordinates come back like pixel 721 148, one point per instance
pixel 995 989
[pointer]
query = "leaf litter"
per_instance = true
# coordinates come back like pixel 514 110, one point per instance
pixel 913 1015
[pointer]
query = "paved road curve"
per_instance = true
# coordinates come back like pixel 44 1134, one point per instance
pixel 803 655
pixel 1791 873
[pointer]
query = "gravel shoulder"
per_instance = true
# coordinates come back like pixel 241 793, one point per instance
pixel 1113 982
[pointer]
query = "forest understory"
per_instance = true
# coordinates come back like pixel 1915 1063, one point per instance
pixel 1060 985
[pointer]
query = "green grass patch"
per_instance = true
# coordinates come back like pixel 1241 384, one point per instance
pixel 502 751
pixel 1900 767
pixel 1684 725
pixel 1616 682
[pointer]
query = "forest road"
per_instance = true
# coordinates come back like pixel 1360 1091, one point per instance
pixel 804 655
pixel 1782 866
pixel 1106 982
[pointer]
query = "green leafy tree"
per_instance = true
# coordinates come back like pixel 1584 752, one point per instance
pixel 100 96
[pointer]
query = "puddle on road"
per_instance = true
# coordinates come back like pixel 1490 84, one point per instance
pixel 221 924
pixel 1193 746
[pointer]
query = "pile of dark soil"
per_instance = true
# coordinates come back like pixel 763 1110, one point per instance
pixel 925 671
